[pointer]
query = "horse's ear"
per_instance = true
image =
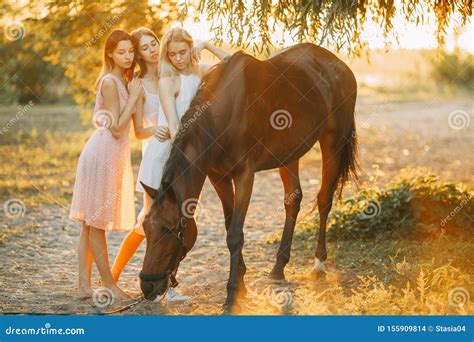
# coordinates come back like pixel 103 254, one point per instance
pixel 150 191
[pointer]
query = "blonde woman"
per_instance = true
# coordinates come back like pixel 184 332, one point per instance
pixel 180 75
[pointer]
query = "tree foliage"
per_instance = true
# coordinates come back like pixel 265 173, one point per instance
pixel 70 34
pixel 338 24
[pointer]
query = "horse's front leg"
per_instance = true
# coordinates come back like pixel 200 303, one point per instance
pixel 225 190
pixel 235 235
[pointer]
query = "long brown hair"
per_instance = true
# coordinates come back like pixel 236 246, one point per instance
pixel 110 45
pixel 137 34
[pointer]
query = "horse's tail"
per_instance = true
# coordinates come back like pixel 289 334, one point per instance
pixel 348 158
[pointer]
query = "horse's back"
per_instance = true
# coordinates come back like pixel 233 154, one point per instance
pixel 280 106
pixel 327 72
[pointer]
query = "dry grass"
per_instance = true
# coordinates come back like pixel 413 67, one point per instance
pixel 40 153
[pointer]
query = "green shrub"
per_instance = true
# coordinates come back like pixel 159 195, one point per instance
pixel 412 205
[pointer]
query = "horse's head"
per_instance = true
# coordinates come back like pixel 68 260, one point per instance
pixel 169 235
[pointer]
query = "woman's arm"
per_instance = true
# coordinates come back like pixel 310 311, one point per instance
pixel 167 91
pixel 141 132
pixel 112 104
pixel 219 53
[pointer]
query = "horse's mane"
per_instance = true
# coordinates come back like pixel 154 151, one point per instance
pixel 197 127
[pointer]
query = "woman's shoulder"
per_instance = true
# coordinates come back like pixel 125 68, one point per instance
pixel 169 82
pixel 168 79
pixel 111 81
pixel 107 83
pixel 109 76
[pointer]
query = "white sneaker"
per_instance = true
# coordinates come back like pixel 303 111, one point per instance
pixel 174 296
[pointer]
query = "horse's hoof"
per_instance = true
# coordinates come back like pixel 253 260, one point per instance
pixel 231 309
pixel 318 274
pixel 227 309
pixel 319 266
pixel 276 275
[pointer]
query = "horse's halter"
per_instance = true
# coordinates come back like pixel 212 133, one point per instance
pixel 170 273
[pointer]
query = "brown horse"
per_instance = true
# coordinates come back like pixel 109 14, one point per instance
pixel 250 115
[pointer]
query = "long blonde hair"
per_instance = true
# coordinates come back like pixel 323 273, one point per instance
pixel 179 35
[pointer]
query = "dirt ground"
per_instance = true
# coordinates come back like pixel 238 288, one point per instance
pixel 38 269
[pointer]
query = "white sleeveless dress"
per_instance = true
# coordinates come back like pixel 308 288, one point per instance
pixel 152 116
pixel 157 153
pixel 151 111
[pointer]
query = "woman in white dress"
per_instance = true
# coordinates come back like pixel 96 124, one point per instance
pixel 148 126
pixel 180 76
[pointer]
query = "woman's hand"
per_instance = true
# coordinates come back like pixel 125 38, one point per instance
pixel 162 133
pixel 135 88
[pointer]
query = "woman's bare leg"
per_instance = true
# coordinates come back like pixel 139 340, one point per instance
pixel 98 245
pixel 131 242
pixel 85 259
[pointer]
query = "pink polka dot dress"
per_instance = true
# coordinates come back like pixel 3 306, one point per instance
pixel 103 194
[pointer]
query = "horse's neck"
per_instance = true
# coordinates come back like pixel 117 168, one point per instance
pixel 191 182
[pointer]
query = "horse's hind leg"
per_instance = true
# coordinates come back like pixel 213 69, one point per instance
pixel 225 190
pixel 293 196
pixel 330 149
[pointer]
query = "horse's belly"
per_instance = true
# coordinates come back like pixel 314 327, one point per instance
pixel 282 152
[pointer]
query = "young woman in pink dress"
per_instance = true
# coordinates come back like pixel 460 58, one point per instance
pixel 103 197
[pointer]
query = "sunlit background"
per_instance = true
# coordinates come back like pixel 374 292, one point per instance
pixel 412 255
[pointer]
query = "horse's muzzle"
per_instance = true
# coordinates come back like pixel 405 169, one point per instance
pixel 151 290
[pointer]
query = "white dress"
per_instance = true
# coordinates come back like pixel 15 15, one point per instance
pixel 151 111
pixel 153 115
pixel 157 152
